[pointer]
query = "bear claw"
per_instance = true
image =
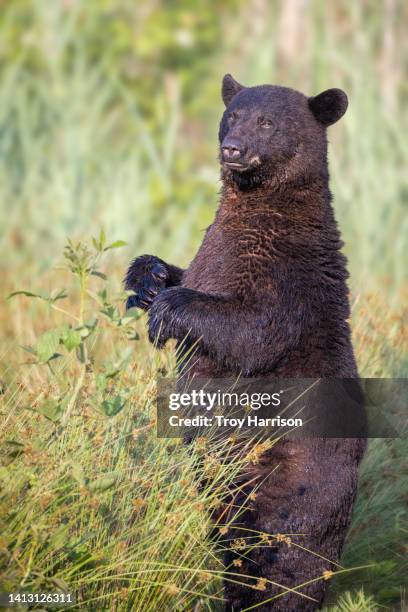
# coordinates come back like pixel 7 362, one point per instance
pixel 146 277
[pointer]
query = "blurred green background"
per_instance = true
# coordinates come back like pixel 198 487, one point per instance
pixel 109 112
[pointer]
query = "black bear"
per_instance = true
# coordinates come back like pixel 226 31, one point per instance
pixel 266 295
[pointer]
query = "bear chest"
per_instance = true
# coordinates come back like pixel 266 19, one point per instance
pixel 231 260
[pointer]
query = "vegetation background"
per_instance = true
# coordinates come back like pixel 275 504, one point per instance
pixel 109 112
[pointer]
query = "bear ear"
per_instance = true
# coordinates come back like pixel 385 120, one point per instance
pixel 230 87
pixel 329 106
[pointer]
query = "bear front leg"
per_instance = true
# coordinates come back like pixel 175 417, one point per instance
pixel 242 336
pixel 147 276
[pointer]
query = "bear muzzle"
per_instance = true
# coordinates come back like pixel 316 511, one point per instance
pixel 236 156
pixel 233 154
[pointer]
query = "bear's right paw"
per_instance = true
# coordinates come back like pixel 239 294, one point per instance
pixel 146 277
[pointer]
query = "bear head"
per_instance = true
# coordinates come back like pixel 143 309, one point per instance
pixel 272 133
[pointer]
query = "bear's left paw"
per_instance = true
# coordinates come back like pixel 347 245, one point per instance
pixel 167 318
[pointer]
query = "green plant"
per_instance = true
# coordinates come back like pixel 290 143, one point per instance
pixel 77 333
pixel 355 602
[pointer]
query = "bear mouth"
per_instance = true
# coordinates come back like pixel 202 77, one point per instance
pixel 244 164
pixel 238 167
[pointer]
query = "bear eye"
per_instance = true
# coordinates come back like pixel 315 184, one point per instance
pixel 232 117
pixel 265 122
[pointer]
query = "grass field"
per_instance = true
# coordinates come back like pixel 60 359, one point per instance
pixel 108 119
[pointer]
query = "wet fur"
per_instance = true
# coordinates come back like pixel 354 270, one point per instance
pixel 266 295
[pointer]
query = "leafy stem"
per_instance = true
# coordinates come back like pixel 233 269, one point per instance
pixel 81 260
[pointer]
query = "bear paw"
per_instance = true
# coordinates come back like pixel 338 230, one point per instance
pixel 167 316
pixel 146 277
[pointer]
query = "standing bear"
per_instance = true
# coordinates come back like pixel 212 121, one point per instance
pixel 266 296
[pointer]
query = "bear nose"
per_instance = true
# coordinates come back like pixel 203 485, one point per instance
pixel 232 149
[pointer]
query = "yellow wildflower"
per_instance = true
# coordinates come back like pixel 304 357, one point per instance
pixel 261 584
pixel 45 500
pixel 138 504
pixel 123 594
pixel 283 538
pixel 238 544
pixel 258 450
pixel 94 503
pixel 201 442
pixel 211 465
pixel 216 503
pixel 266 541
pixel 192 492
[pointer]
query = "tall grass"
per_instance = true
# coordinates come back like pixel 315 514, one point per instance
pixel 93 502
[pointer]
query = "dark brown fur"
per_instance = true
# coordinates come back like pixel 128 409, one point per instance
pixel 266 295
